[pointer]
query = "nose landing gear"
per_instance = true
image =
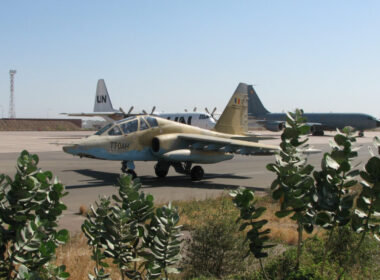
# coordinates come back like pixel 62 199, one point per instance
pixel 128 167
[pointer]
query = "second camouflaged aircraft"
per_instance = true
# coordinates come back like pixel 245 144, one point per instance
pixel 149 138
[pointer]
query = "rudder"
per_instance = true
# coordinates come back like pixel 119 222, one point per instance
pixel 255 107
pixel 102 99
pixel 234 119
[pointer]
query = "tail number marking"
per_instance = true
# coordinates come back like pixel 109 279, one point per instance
pixel 117 146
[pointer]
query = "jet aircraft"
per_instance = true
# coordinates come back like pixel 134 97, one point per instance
pixel 151 138
pixel 103 108
pixel 318 122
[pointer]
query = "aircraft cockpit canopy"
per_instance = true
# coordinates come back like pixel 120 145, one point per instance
pixel 204 116
pixel 372 118
pixel 128 125
pixel 103 129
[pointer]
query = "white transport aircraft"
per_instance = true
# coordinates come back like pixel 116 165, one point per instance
pixel 103 108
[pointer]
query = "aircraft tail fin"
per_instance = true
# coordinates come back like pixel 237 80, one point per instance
pixel 255 107
pixel 234 119
pixel 102 99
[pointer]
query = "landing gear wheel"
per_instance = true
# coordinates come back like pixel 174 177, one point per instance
pixel 161 169
pixel 124 167
pixel 131 172
pixel 197 173
pixel 318 133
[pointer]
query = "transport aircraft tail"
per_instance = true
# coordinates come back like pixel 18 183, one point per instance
pixel 255 107
pixel 234 119
pixel 102 99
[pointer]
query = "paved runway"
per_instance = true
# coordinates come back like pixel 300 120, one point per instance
pixel 87 179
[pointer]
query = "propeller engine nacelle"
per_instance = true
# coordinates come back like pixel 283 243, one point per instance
pixel 274 126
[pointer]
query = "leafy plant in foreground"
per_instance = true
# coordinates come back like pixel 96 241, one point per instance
pixel 94 229
pixel 244 200
pixel 162 239
pixel 366 217
pixel 30 206
pixel 120 230
pixel 294 187
pixel 333 201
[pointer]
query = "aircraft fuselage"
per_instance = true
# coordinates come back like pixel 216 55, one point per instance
pixel 327 121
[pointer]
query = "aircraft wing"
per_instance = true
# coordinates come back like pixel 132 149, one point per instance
pixel 212 143
pixel 108 116
pixel 311 124
pixel 95 114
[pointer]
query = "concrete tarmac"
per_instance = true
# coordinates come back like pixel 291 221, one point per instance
pixel 88 179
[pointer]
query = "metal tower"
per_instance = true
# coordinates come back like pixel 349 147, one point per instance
pixel 12 111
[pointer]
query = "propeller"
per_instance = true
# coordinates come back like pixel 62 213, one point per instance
pixel 212 113
pixel 130 110
pixel 153 109
pixel 185 110
pixel 151 112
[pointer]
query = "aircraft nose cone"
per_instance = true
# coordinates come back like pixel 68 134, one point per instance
pixel 70 149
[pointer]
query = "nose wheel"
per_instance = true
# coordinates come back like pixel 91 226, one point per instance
pixel 127 168
pixel 197 173
pixel 131 172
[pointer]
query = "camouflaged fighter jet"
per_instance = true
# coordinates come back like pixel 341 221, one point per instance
pixel 150 138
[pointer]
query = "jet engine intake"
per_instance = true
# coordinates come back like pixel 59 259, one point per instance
pixel 274 126
pixel 164 143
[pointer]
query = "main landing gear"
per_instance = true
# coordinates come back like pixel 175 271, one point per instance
pixel 128 168
pixel 197 173
pixel 162 167
pixel 316 131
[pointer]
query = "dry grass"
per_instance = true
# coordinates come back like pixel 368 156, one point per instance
pixel 284 229
pixel 76 255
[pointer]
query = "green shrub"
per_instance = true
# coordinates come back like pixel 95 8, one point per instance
pixel 340 244
pixel 30 206
pixel 143 241
pixel 215 248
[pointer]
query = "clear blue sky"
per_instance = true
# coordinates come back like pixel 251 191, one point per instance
pixel 321 56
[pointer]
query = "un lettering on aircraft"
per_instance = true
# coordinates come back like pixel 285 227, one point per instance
pixel 101 99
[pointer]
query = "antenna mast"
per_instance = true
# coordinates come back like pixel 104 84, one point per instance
pixel 12 111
